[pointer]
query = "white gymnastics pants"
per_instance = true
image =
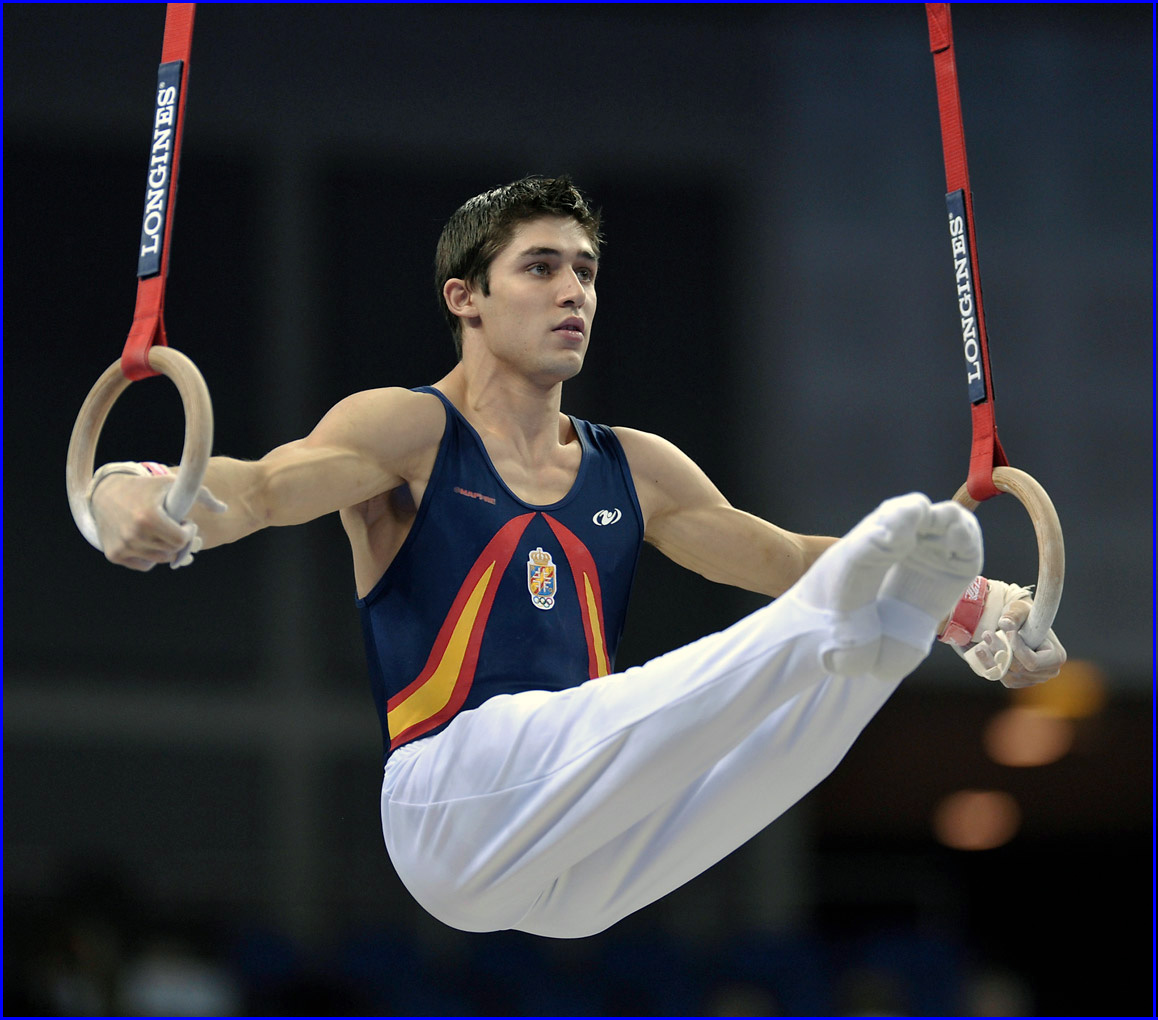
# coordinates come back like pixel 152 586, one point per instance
pixel 559 813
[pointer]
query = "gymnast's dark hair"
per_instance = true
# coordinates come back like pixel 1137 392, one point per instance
pixel 480 228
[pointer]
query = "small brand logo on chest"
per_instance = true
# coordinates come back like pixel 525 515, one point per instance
pixel 474 495
pixel 605 517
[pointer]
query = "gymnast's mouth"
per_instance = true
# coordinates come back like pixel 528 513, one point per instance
pixel 571 325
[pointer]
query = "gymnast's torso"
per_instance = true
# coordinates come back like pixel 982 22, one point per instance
pixel 488 594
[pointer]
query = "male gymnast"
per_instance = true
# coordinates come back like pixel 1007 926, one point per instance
pixel 527 785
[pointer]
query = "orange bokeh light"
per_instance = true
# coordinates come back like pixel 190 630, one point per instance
pixel 976 819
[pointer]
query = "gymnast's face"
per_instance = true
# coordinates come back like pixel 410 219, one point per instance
pixel 537 315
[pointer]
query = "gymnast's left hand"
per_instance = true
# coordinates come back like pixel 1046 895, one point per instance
pixel 1028 666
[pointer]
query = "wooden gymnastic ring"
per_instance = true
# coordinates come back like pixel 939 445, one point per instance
pixel 1051 553
pixel 86 431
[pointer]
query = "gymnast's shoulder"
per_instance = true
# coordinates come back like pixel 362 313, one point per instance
pixel 389 415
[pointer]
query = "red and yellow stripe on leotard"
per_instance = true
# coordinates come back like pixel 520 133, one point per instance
pixel 441 688
pixel 586 577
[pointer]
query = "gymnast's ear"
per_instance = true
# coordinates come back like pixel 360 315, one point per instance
pixel 460 298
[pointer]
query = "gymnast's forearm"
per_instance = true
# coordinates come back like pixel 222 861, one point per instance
pixel 293 484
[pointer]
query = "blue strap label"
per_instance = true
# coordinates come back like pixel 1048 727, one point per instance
pixel 966 294
pixel 161 169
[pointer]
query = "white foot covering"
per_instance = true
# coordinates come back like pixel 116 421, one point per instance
pixel 921 590
pixel 890 581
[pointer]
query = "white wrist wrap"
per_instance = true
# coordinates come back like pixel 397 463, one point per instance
pixel 1000 595
pixel 123 467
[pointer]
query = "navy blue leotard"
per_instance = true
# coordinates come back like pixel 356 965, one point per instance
pixel 492 595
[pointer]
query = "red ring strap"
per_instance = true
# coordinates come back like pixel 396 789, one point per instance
pixel 987 452
pixel 161 193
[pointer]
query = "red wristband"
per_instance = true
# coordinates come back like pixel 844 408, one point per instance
pixel 966 614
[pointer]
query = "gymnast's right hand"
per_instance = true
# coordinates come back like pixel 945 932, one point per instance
pixel 134 529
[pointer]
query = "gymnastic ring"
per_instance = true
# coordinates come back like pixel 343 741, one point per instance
pixel 1051 553
pixel 86 431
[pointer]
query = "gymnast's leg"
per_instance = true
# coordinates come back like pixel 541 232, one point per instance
pixel 512 816
pixel 791 750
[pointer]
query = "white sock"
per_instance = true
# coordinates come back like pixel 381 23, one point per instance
pixel 896 574
pixel 922 589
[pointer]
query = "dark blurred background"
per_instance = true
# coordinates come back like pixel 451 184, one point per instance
pixel 191 759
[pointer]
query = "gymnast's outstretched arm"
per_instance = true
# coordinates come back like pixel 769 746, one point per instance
pixel 690 521
pixel 365 445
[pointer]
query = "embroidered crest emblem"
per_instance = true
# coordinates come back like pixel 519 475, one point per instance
pixel 541 579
